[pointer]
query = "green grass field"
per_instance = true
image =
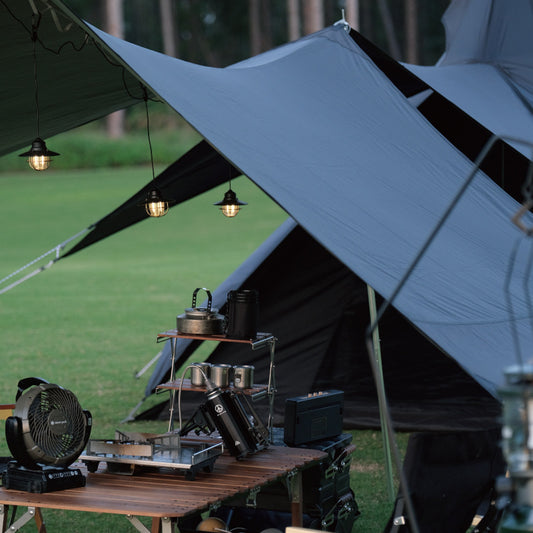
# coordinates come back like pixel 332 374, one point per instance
pixel 90 322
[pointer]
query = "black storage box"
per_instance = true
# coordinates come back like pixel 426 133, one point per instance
pixel 316 416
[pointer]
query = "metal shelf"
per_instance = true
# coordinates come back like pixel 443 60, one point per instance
pixel 256 392
pixel 260 341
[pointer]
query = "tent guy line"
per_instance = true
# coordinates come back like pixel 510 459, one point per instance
pixel 55 250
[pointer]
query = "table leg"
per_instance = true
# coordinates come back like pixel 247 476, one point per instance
pixel 166 524
pixel 31 512
pixel 4 511
pixel 159 525
pixel 296 493
pixel 39 520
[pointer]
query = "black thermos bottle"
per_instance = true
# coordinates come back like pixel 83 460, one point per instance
pixel 221 413
pixel 243 314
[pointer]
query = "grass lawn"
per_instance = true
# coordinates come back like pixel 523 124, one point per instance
pixel 90 322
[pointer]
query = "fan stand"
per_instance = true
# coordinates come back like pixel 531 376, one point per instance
pixel 43 479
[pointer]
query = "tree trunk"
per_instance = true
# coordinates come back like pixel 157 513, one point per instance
pixel 254 21
pixel 266 25
pixel 168 28
pixel 293 17
pixel 313 16
pixel 352 14
pixel 394 47
pixel 411 31
pixel 114 24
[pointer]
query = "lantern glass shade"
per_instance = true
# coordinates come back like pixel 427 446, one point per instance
pixel 39 157
pixel 39 162
pixel 230 210
pixel 155 205
pixel 230 205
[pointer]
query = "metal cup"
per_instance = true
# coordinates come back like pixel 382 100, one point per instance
pixel 243 376
pixel 220 374
pixel 197 378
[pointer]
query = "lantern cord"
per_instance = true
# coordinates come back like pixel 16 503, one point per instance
pixel 77 47
pixel 148 130
pixel 34 37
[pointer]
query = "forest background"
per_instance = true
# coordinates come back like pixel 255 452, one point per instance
pixel 218 33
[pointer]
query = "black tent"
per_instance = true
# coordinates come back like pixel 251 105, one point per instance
pixel 318 309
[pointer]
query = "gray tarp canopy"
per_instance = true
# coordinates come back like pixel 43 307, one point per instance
pixel 320 128
pixel 487 68
pixel 316 125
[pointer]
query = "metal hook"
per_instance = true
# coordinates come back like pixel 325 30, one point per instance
pixel 343 22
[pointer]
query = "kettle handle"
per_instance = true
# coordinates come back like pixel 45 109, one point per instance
pixel 209 297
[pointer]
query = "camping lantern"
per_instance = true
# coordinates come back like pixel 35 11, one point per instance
pixel 517 445
pixel 39 157
pixel 154 203
pixel 230 205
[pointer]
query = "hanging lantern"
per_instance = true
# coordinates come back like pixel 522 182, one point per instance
pixel 230 205
pixel 155 204
pixel 39 157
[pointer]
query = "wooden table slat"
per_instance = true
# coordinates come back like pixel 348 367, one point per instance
pixel 167 493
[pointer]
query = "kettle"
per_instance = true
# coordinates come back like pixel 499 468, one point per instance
pixel 201 320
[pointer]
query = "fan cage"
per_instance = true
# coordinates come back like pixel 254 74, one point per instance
pixel 57 425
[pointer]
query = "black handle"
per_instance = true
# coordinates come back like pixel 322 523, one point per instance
pixel 209 297
pixel 26 383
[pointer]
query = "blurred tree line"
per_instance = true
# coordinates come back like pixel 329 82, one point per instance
pixel 218 33
pixel 221 32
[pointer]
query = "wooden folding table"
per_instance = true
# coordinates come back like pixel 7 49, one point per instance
pixel 166 496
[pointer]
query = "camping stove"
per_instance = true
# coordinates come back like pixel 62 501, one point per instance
pixel 517 432
pixel 127 453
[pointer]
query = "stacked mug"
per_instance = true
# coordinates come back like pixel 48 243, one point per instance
pixel 220 375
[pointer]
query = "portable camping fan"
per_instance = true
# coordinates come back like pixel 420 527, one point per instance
pixel 46 433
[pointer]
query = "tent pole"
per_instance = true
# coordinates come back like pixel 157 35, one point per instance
pixel 377 355
pixel 372 307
